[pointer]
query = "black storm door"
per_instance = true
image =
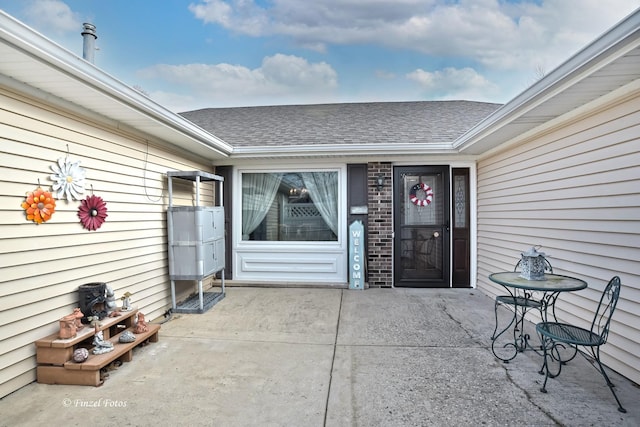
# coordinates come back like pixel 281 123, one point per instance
pixel 421 226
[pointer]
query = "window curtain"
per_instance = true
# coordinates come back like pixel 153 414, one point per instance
pixel 258 192
pixel 323 190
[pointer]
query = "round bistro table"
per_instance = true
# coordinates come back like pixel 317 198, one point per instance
pixel 523 290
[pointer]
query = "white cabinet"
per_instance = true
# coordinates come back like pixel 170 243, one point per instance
pixel 196 243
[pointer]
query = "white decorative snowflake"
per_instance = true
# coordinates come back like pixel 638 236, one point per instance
pixel 68 178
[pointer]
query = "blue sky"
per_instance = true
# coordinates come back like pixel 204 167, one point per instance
pixel 191 54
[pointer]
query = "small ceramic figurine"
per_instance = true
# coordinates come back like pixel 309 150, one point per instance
pixel 70 324
pixel 100 344
pixel 126 337
pixel 141 325
pixel 67 327
pixel 78 315
pixel 110 303
pixel 126 303
pixel 94 321
pixel 80 355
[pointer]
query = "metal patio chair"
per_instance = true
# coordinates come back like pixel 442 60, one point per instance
pixel 586 341
pixel 525 302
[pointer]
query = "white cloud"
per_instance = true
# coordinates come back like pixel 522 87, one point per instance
pixel 452 83
pixel 480 41
pixel 243 15
pixel 178 103
pixel 496 34
pixel 285 78
pixel 53 15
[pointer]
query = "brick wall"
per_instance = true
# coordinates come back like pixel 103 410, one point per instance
pixel 380 225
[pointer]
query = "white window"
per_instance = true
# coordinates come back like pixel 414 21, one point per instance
pixel 290 206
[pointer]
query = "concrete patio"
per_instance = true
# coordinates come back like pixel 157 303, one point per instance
pixel 330 357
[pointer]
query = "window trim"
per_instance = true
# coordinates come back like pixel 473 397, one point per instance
pixel 260 245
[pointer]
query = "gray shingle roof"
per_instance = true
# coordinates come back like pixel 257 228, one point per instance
pixel 358 123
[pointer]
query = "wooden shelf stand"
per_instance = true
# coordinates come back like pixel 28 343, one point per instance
pixel 55 356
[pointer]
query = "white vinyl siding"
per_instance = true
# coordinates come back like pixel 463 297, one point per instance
pixel 576 192
pixel 43 265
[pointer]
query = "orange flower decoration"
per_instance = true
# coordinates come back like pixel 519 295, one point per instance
pixel 39 206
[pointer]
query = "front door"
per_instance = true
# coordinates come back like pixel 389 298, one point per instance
pixel 421 226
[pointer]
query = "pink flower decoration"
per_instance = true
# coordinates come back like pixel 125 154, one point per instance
pixel 92 212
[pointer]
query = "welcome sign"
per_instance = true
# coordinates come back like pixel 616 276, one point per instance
pixel 356 255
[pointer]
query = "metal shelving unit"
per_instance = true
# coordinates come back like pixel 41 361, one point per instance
pixel 196 242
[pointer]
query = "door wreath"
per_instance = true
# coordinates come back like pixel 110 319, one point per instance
pixel 427 191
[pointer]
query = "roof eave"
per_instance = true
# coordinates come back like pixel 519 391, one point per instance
pixel 341 150
pixel 151 118
pixel 619 40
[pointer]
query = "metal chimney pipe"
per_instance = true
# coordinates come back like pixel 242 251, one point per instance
pixel 89 44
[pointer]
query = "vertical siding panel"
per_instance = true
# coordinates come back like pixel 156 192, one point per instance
pixel 575 192
pixel 43 265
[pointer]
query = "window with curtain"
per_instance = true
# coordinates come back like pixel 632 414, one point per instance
pixel 290 206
